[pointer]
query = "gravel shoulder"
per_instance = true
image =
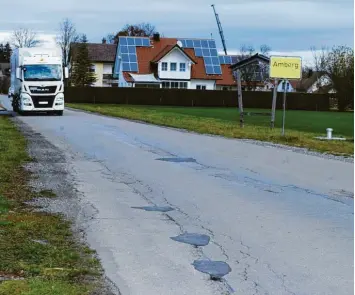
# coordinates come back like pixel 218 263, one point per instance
pixel 50 180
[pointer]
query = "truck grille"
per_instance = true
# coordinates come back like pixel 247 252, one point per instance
pixel 39 101
pixel 43 90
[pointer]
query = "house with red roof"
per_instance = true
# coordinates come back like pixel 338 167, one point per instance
pixel 159 62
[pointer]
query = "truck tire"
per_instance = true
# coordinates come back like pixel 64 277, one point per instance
pixel 59 113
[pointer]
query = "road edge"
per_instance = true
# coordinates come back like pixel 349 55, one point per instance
pixel 298 150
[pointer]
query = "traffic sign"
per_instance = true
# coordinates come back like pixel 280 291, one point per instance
pixel 285 67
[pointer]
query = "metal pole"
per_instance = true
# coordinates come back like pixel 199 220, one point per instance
pixel 273 109
pixel 284 110
pixel 240 99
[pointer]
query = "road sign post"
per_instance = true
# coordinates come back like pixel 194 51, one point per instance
pixel 273 109
pixel 284 110
pixel 240 99
pixel 287 68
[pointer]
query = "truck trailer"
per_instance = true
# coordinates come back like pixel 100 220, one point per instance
pixel 37 80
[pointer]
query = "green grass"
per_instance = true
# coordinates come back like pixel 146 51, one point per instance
pixel 40 287
pixel 57 264
pixel 301 126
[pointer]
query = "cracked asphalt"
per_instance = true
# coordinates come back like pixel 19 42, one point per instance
pixel 282 220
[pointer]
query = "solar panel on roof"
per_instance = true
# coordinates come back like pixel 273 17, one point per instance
pixel 226 59
pixel 198 52
pixel 146 42
pixel 134 67
pixel 215 61
pixel 138 41
pixel 213 52
pixel 131 41
pixel 204 43
pixel 197 43
pixel 125 67
pixel 212 44
pixel 207 49
pixel 123 40
pixel 128 53
pixel 125 57
pixel 206 52
pixel 189 44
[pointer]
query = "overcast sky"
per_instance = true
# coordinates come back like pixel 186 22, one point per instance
pixel 285 25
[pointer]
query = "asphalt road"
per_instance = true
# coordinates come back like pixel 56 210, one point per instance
pixel 282 220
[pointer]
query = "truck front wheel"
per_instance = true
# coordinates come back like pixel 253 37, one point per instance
pixel 59 113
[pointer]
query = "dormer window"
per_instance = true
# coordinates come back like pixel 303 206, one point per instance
pixel 164 66
pixel 182 67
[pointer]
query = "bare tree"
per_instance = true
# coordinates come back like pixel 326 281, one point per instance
pixel 338 65
pixel 24 38
pixel 257 72
pixel 265 49
pixel 136 30
pixel 110 38
pixel 67 36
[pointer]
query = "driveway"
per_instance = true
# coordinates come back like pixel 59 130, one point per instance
pixel 282 220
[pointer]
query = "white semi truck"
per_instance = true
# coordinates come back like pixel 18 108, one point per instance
pixel 37 80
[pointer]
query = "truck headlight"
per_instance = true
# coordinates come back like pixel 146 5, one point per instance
pixel 25 98
pixel 59 97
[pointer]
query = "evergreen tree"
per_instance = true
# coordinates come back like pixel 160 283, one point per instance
pixel 8 51
pixel 81 75
pixel 5 52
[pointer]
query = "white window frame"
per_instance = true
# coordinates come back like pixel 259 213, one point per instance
pixel 175 83
pixel 164 69
pixel 165 83
pixel 171 68
pixel 201 87
pixel 178 84
pixel 182 67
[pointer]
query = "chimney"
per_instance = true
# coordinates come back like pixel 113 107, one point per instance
pixel 103 40
pixel 156 37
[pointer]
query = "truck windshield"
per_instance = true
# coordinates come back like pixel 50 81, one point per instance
pixel 42 72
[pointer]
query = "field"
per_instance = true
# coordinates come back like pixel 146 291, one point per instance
pixel 301 126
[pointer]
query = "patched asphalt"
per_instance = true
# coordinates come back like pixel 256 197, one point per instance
pixel 281 220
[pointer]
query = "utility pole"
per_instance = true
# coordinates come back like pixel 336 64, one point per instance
pixel 220 30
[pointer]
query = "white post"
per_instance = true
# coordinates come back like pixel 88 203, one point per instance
pixel 329 133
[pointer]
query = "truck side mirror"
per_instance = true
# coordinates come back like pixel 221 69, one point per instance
pixel 18 73
pixel 66 73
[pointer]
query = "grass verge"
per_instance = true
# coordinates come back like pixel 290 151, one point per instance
pixel 38 253
pixel 224 122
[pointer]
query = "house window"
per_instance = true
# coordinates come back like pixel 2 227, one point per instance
pixel 165 85
pixel 182 67
pixel 174 84
pixel 173 66
pixel 92 69
pixel 164 66
pixel 201 87
pixel 183 85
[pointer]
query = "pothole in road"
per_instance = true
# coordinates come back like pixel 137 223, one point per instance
pixel 155 208
pixel 216 269
pixel 178 160
pixel 192 239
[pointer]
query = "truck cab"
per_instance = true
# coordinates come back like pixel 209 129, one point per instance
pixel 38 80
